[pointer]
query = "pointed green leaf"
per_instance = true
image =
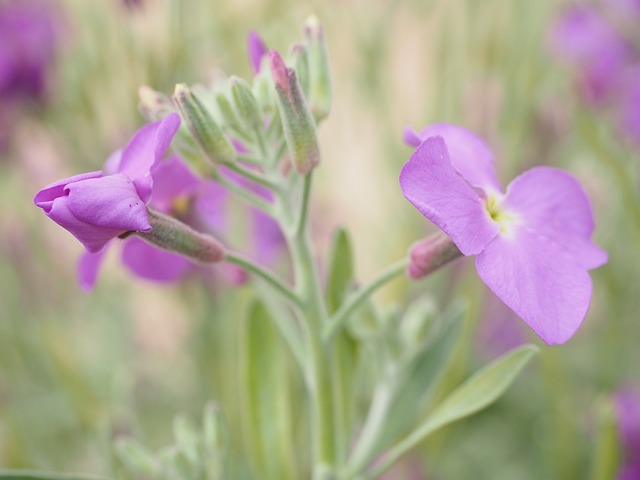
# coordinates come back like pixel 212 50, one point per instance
pixel 265 380
pixel 479 391
pixel 340 271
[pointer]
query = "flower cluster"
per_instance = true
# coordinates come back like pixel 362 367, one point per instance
pixel 532 243
pixel 601 41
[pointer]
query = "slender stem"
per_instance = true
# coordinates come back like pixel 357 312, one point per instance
pixel 262 146
pixel 252 175
pixel 303 213
pixel 267 276
pixel 244 194
pixel 363 293
pixel 244 158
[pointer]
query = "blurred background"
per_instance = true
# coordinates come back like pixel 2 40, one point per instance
pixel 78 370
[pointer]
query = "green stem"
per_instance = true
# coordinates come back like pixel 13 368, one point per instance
pixel 363 293
pixel 313 313
pixel 244 194
pixel 277 284
pixel 252 175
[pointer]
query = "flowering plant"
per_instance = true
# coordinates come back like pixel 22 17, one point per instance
pixel 258 141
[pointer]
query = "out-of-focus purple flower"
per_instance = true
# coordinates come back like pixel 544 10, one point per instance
pixel 532 243
pixel 597 39
pixel 584 38
pixel 27 43
pixel 627 403
pixel 256 49
pixel 96 207
pixel 497 331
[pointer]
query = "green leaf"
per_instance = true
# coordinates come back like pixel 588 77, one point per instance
pixel 35 475
pixel 340 273
pixel 340 270
pixel 479 391
pixel 265 379
pixel 402 394
pixel 606 451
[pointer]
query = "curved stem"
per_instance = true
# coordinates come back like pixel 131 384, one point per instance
pixel 275 282
pixel 252 175
pixel 363 293
pixel 244 194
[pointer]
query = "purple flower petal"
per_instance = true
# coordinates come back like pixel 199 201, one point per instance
pixel 171 179
pixel 430 183
pixel 257 50
pixel 45 197
pixel 468 153
pixel 146 148
pixel 210 206
pixel 109 202
pixel 88 267
pixel 153 263
pixel 112 164
pixel 552 204
pixel 411 137
pixel 93 238
pixel 267 237
pixel 539 281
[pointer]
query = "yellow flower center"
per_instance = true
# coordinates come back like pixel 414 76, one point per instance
pixel 506 219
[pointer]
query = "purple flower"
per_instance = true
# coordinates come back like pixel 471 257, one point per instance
pixel 627 403
pixel 257 50
pixel 97 207
pixel 584 38
pixel 532 243
pixel 204 205
pixel 27 42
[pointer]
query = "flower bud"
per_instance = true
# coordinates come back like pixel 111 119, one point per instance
pixel 320 94
pixel 172 235
pixel 206 132
pixel 257 51
pixel 429 254
pixel 297 122
pixel 154 105
pixel 245 103
pixel 298 58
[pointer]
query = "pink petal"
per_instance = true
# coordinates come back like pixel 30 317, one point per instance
pixel 152 263
pixel 430 183
pixel 539 281
pixel 552 203
pixel 470 156
pixel 93 238
pixel 146 148
pixel 112 164
pixel 88 267
pixel 108 202
pixel 45 197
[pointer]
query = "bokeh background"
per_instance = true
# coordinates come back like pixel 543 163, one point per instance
pixel 78 370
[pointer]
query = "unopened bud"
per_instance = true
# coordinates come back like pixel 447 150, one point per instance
pixel 298 58
pixel 154 105
pixel 429 254
pixel 206 132
pixel 320 95
pixel 257 51
pixel 171 234
pixel 245 103
pixel 297 122
pixel 226 110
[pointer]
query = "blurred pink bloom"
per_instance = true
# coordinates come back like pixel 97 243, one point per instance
pixel 627 403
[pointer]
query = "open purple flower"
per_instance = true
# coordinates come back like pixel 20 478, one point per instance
pixel 532 243
pixel 96 207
